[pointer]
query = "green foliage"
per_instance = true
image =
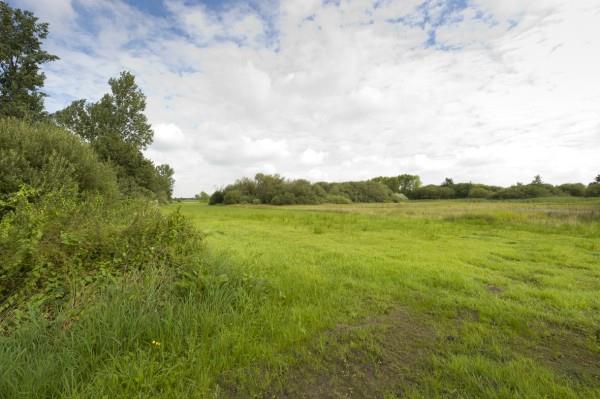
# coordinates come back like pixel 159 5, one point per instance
pixel 574 189
pixel 47 158
pixel 275 190
pixel 202 197
pixel 120 113
pixel 404 183
pixel 337 199
pixel 593 190
pixel 433 192
pixel 232 197
pixel 533 190
pixel 479 192
pixel 21 57
pixel 57 243
pixel 118 130
pixel 218 197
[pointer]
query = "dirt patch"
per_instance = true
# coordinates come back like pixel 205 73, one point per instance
pixel 569 353
pixel 493 289
pixel 378 356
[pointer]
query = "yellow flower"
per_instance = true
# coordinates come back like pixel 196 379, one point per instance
pixel 156 343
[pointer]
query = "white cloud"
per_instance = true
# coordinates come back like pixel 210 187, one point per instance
pixel 312 157
pixel 326 91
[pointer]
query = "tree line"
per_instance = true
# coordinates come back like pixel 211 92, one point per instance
pixel 276 190
pixel 115 126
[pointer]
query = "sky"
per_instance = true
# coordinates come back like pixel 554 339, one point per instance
pixel 477 90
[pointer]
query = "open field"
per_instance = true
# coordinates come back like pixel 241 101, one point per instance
pixel 432 299
pixel 419 299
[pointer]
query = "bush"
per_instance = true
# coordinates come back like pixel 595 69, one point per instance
pixel 525 191
pixel 433 192
pixel 218 197
pixel 399 197
pixel 55 244
pixel 284 199
pixel 479 192
pixel 63 227
pixel 574 189
pixel 593 190
pixel 232 197
pixel 45 157
pixel 337 199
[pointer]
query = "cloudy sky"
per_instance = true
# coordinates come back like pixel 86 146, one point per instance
pixel 483 90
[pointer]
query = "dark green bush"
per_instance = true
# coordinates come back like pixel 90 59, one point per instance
pixel 524 191
pixel 337 199
pixel 593 190
pixel 479 192
pixel 45 157
pixel 574 189
pixel 218 197
pixel 432 192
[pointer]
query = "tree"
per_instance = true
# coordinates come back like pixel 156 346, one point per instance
pixel 21 56
pixel 202 197
pixel 448 182
pixel 118 130
pixel 120 113
pixel 408 183
pixel 537 179
pixel 597 180
pixel 164 180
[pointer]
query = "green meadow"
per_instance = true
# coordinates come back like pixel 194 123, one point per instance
pixel 420 299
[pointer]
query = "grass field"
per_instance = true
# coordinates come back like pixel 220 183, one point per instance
pixel 429 299
pixel 419 299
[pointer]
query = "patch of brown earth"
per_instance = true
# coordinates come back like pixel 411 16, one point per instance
pixel 378 356
pixel 494 289
pixel 569 353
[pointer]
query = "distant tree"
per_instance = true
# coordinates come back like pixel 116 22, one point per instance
pixel 597 179
pixel 217 197
pixel 448 182
pixel 164 180
pixel 202 196
pixel 537 180
pixel 21 56
pixel 408 183
pixel 574 189
pixel 593 190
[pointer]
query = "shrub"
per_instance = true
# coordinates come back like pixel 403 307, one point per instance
pixel 45 157
pixel 216 198
pixel 525 191
pixel 232 197
pixel 284 199
pixel 52 242
pixel 399 197
pixel 574 189
pixel 593 190
pixel 479 192
pixel 337 199
pixel 433 192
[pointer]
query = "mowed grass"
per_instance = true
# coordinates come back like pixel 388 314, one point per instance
pixel 497 299
pixel 419 299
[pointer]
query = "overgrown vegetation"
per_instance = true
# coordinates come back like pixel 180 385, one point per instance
pixel 64 224
pixel 275 190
